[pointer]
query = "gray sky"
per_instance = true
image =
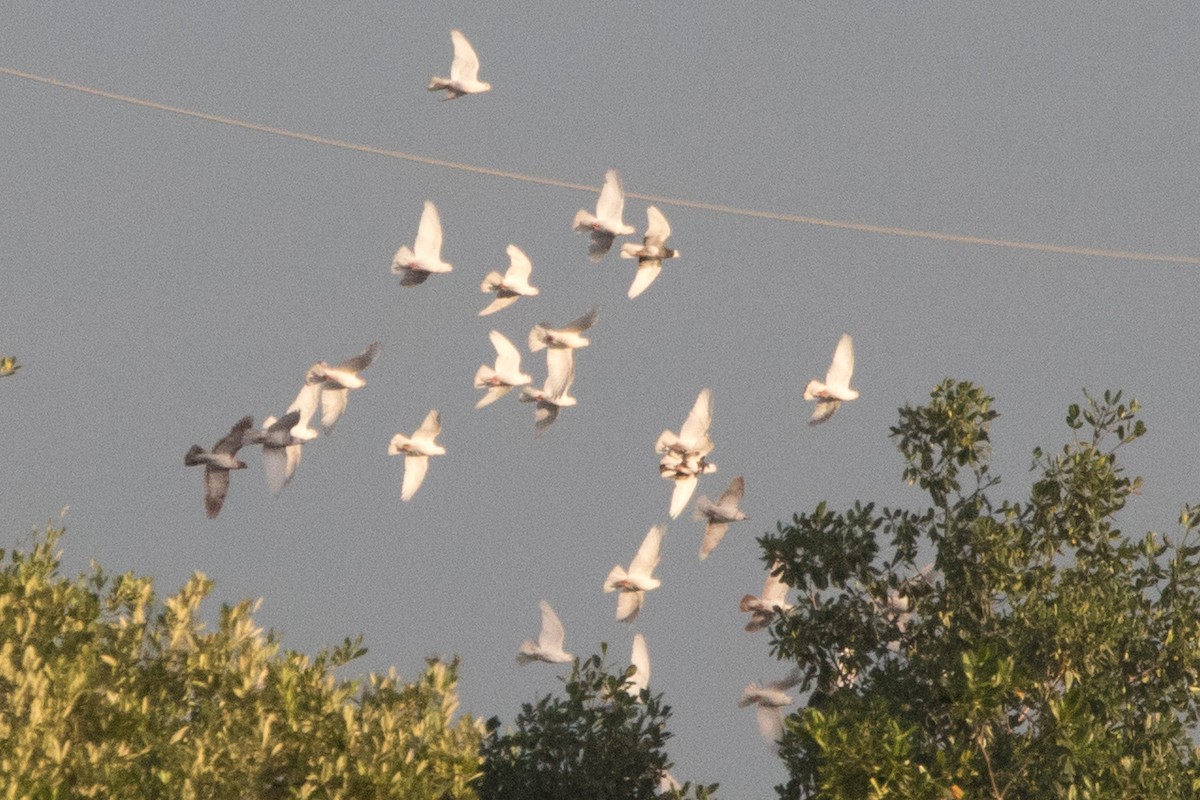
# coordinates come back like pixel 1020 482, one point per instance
pixel 163 277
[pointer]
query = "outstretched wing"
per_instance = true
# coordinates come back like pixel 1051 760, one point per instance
pixel 465 66
pixel 843 364
pixel 428 246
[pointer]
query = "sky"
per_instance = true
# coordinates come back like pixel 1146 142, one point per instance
pixel 162 276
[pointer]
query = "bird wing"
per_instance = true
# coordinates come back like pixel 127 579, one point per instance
pixel 714 532
pixel 508 358
pixel 560 371
pixel 599 245
pixel 544 415
pixel 216 486
pixel 414 473
pixel 824 410
pixel 629 604
pixel 770 722
pixel 552 635
pixel 275 467
pixel 611 205
pixel 583 323
pixel 363 360
pixel 842 367
pixel 648 554
pixel 500 303
pixel 657 228
pixel 733 495
pixel 430 427
pixel 232 442
pixel 519 265
pixel 333 403
pixel 640 659
pixel 647 271
pixel 306 403
pixel 695 428
pixel 493 394
pixel 681 494
pixel 465 66
pixel 428 246
pixel 774 589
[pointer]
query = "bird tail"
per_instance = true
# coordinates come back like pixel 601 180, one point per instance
pixel 492 282
pixel 537 338
pixel 192 457
pixel 438 83
pixel 584 220
pixel 813 390
pixel 483 376
pixel 616 574
pixel 748 603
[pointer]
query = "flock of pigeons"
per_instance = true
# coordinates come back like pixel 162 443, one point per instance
pixel 684 455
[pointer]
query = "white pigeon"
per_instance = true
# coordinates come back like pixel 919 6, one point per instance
pixel 770 604
pixel 549 644
pixel 639 579
pixel 719 515
pixel 416 450
pixel 770 699
pixel 500 380
pixel 650 253
pixel 512 285
pixel 555 393
pixel 415 265
pixel 218 463
pixel 639 658
pixel 606 224
pixel 568 337
pixel 337 381
pixel 836 388
pixel 684 453
pixel 464 71
pixel 280 449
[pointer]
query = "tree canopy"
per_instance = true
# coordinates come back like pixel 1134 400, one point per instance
pixel 106 693
pixel 989 648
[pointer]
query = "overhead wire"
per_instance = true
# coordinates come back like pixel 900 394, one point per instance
pixel 861 227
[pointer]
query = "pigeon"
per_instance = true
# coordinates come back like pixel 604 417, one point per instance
pixel 415 265
pixel 719 515
pixel 555 394
pixel 512 285
pixel 606 224
pixel 770 699
pixel 417 450
pixel 836 388
pixel 464 71
pixel 549 644
pixel 639 579
pixel 337 381
pixel 639 658
pixel 568 337
pixel 500 380
pixel 770 604
pixel 217 464
pixel 650 253
pixel 684 453
pixel 280 449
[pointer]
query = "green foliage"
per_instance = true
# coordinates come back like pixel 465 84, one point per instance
pixel 105 694
pixel 1043 654
pixel 598 742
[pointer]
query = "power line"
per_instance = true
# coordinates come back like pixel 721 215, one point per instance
pixel 861 227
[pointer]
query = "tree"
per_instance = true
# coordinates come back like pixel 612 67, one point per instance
pixel 599 742
pixel 1042 654
pixel 105 694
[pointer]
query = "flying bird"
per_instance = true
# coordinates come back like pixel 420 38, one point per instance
pixel 500 380
pixel 650 253
pixel 719 515
pixel 639 578
pixel 555 393
pixel 684 454
pixel 606 224
pixel 464 71
pixel 549 644
pixel 217 464
pixel 414 265
pixel 280 449
pixel 416 450
pixel 770 604
pixel 568 337
pixel 337 381
pixel 639 658
pixel 836 388
pixel 770 699
pixel 512 285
